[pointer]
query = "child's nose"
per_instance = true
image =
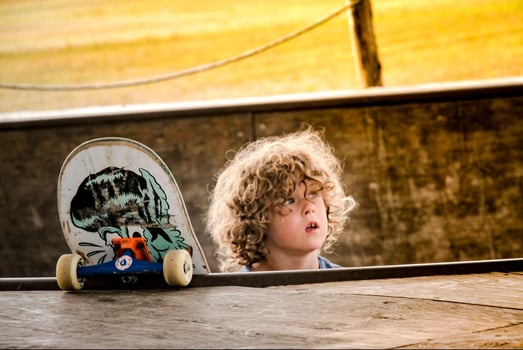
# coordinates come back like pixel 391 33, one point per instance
pixel 308 207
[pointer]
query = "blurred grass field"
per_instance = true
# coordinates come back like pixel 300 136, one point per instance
pixel 94 41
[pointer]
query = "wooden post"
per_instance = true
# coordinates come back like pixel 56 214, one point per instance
pixel 364 43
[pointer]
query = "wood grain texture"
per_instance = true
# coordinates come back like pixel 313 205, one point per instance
pixel 469 311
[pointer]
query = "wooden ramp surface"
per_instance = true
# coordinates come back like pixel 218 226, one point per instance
pixel 456 311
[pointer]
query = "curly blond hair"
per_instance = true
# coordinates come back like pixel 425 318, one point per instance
pixel 259 178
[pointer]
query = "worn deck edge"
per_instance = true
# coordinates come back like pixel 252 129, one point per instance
pixel 425 93
pixel 266 279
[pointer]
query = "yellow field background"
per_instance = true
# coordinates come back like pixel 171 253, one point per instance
pixel 92 41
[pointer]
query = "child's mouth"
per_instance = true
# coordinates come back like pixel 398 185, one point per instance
pixel 311 226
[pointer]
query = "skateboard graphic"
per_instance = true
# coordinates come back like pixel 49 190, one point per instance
pixel 123 215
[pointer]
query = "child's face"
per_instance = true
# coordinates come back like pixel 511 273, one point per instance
pixel 300 224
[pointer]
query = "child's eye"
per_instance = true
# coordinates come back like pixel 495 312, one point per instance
pixel 288 201
pixel 313 194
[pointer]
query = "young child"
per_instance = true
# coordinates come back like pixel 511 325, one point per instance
pixel 277 204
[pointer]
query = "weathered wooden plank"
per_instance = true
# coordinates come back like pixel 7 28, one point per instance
pixel 479 289
pixel 505 337
pixel 326 315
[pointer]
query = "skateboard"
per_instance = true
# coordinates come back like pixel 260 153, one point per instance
pixel 123 216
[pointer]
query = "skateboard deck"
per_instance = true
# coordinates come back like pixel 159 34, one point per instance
pixel 117 188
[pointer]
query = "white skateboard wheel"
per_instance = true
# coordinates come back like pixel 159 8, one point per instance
pixel 177 268
pixel 66 272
